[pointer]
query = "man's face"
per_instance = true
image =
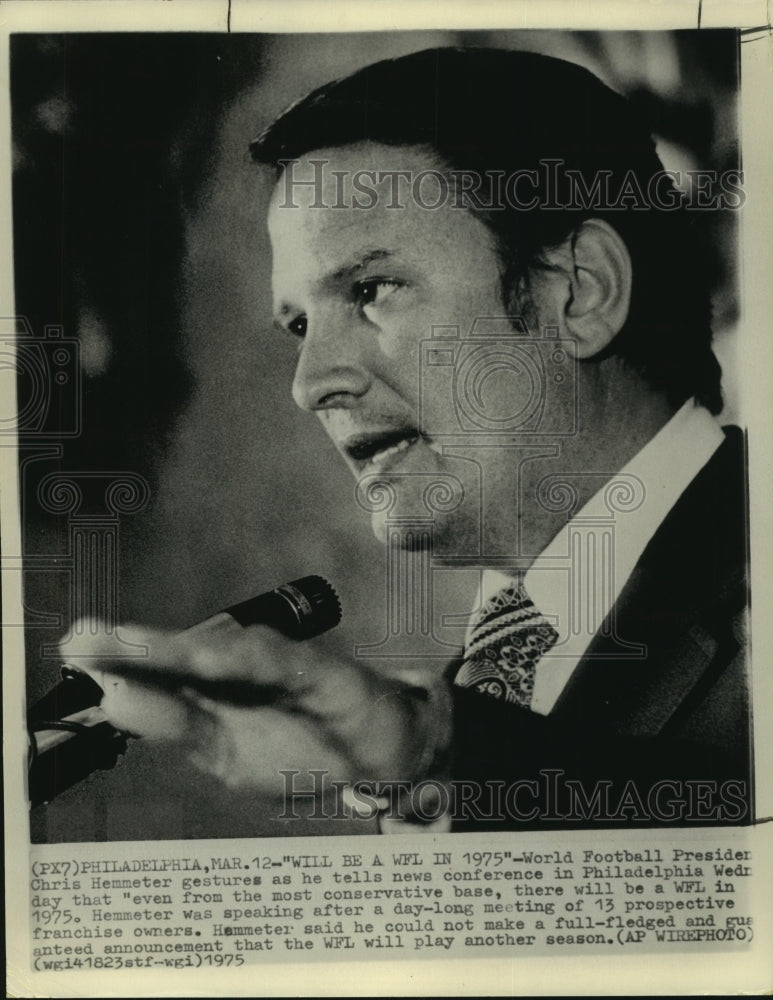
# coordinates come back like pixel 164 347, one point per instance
pixel 361 289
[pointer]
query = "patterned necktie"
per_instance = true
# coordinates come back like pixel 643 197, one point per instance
pixel 508 637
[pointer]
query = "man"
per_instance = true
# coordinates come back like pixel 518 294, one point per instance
pixel 495 289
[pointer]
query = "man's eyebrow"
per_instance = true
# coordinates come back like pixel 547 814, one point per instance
pixel 359 261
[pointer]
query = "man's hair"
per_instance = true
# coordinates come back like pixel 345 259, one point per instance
pixel 492 112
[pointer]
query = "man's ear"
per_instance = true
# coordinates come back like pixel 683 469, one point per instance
pixel 599 294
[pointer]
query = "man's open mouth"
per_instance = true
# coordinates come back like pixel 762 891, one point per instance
pixel 375 449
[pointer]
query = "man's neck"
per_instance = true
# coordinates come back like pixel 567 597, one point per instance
pixel 618 414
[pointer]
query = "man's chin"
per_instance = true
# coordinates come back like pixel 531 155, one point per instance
pixel 378 523
pixel 445 540
pixel 408 535
pixel 419 512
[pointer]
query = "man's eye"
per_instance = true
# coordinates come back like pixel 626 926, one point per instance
pixel 375 291
pixel 298 326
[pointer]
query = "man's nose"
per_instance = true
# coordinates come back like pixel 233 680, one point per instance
pixel 332 369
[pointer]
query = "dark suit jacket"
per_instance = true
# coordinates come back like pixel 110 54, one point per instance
pixel 625 726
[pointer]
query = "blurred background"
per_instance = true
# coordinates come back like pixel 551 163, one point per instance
pixel 139 229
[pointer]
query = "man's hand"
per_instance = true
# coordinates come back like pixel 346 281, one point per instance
pixel 247 703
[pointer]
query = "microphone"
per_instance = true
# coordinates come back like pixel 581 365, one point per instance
pixel 69 735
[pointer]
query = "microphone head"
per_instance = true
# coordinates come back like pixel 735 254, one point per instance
pixel 314 604
pixel 300 609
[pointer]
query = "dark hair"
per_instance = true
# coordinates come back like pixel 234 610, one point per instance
pixel 496 110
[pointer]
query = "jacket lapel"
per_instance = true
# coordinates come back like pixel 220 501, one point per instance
pixel 677 604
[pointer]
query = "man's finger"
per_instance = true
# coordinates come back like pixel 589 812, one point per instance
pixel 232 664
pixel 144 710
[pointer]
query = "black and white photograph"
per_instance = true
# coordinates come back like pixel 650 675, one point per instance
pixel 385 462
